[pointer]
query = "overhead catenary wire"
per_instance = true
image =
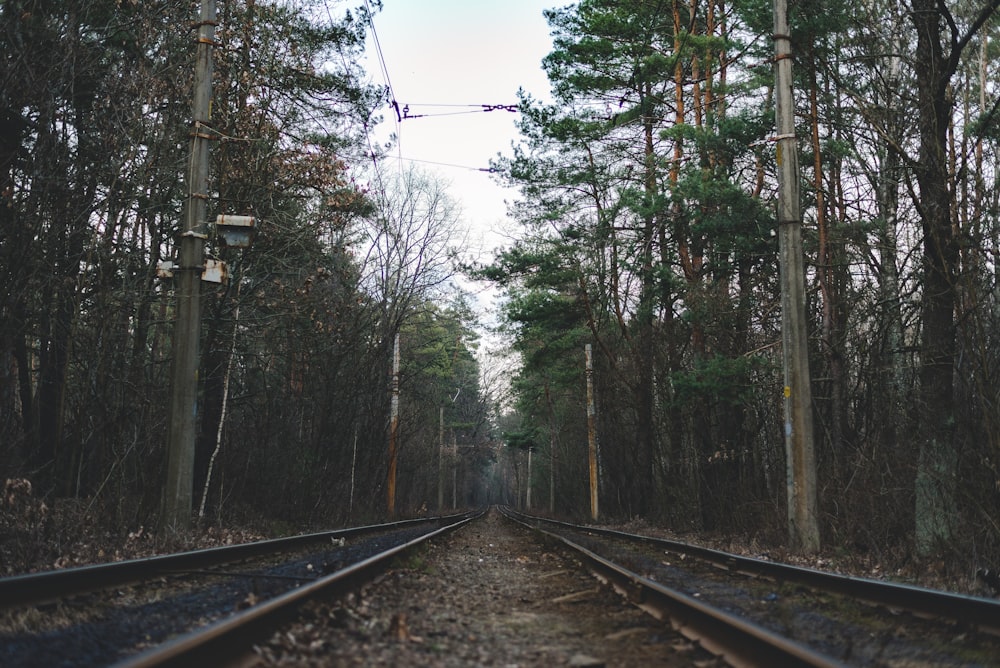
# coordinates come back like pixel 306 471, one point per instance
pixel 385 74
pixel 469 109
pixel 402 113
pixel 491 170
pixel 391 94
pixel 380 54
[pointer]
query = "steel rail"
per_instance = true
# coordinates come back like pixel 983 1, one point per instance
pixel 979 613
pixel 219 644
pixel 736 640
pixel 37 588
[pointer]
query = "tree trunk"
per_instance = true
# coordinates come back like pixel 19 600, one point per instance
pixel 936 461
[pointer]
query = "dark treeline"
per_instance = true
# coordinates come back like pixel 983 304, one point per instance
pixel 296 349
pixel 648 192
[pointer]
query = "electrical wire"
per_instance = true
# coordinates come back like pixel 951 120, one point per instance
pixel 403 113
pixel 381 57
pixel 392 98
pixel 489 170
pixel 475 109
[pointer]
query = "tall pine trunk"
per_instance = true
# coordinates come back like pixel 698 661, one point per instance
pixel 936 461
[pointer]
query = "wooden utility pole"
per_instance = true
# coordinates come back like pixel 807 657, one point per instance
pixel 591 431
pixel 183 416
pixel 803 523
pixel 393 430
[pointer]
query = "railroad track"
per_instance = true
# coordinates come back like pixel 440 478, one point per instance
pixel 43 587
pixel 88 628
pixel 706 614
pixel 866 614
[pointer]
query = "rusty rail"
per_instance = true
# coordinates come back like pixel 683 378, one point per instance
pixel 224 642
pixel 738 641
pixel 37 588
pixel 979 613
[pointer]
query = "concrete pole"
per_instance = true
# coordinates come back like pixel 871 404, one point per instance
pixel 454 471
pixel 527 502
pixel 183 415
pixel 552 472
pixel 591 431
pixel 354 466
pixel 441 460
pixel 393 430
pixel 803 524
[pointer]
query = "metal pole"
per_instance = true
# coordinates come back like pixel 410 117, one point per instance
pixel 803 525
pixel 591 431
pixel 176 511
pixel 393 428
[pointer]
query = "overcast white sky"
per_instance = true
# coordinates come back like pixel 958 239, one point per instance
pixel 461 52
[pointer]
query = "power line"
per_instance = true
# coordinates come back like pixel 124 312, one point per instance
pixel 381 56
pixel 490 170
pixel 470 109
pixel 392 96
pixel 403 113
pixel 446 104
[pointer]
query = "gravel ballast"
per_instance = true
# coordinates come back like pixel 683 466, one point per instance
pixel 490 594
